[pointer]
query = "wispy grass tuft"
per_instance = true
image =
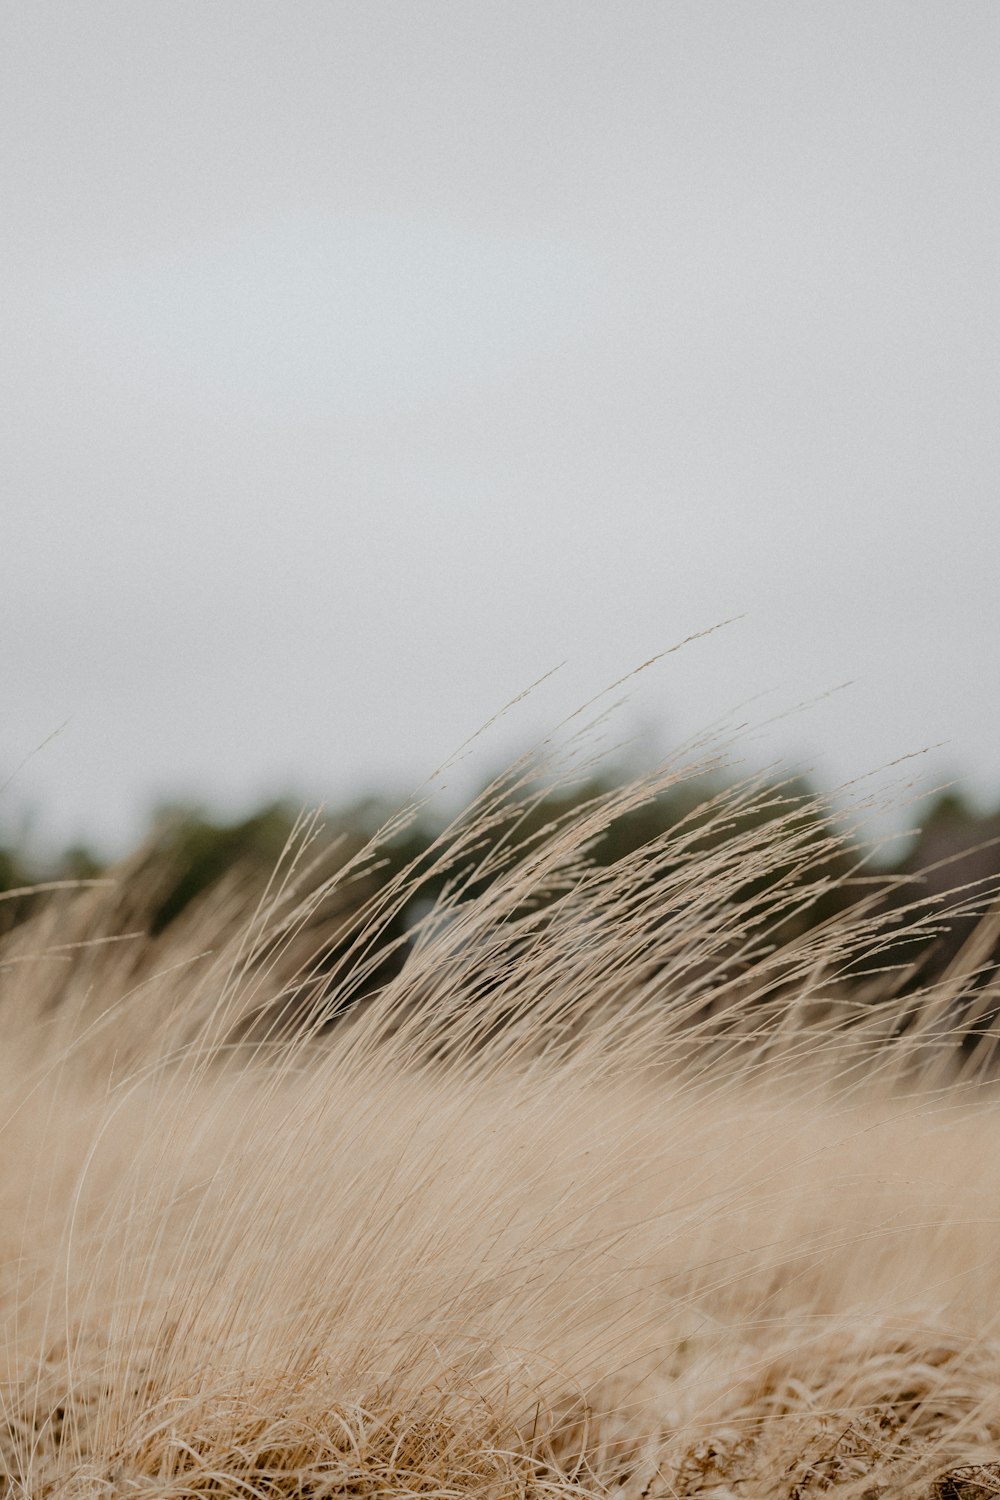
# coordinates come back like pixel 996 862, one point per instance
pixel 627 1181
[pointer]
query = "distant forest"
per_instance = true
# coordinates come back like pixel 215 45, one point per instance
pixel 187 853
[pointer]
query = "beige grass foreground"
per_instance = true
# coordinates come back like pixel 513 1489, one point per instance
pixel 608 1195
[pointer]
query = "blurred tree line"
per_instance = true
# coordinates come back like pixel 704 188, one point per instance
pixel 956 850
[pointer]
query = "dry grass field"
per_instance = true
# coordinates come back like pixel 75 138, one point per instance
pixel 625 1186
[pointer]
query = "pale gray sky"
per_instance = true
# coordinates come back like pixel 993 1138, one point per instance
pixel 362 361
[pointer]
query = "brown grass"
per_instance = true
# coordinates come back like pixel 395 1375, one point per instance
pixel 621 1187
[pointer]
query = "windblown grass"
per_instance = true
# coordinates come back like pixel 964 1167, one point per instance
pixel 628 1184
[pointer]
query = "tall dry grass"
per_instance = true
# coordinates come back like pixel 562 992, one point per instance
pixel 629 1183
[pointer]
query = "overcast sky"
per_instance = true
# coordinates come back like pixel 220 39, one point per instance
pixel 363 361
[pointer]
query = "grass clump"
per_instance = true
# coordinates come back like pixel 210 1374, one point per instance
pixel 625 1181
